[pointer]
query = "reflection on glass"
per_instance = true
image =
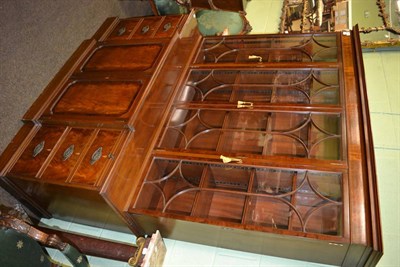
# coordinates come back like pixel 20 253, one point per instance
pixel 304 48
pixel 264 86
pixel 288 199
pixel 305 135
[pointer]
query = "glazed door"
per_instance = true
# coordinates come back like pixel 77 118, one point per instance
pixel 255 138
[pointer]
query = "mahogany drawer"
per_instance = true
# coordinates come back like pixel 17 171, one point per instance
pixel 124 29
pixel 168 26
pixel 60 154
pixel 150 27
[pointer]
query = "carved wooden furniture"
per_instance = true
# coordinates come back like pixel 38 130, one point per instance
pixel 168 7
pixel 259 143
pixel 21 245
pixel 314 16
pixel 220 22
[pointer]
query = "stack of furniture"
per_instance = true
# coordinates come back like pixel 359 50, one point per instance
pixel 165 7
pixel 259 143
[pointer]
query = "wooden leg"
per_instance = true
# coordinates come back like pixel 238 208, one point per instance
pixel 94 246
pixel 154 8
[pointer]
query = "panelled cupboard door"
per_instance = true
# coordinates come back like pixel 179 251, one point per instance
pixel 107 86
pixel 127 57
pixel 296 200
pixel 60 154
pixel 97 100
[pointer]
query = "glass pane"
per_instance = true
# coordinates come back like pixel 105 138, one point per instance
pixel 320 203
pixel 297 48
pixel 170 186
pixel 276 182
pixel 220 206
pixel 268 212
pixel 326 137
pixel 305 201
pixel 228 177
pixel 273 86
pixel 290 199
pixel 304 135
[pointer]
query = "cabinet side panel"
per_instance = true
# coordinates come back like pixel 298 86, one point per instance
pixel 251 241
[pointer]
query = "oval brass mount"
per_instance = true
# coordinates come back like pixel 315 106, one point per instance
pixel 96 155
pixel 68 152
pixel 145 29
pixel 121 31
pixel 38 148
pixel 167 26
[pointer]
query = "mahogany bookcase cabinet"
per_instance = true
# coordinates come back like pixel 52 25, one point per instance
pixel 259 143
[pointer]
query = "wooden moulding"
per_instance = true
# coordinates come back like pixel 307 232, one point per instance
pixel 370 168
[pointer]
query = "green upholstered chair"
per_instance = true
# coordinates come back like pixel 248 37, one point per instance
pixel 221 22
pixel 171 7
pixel 210 22
pixel 20 245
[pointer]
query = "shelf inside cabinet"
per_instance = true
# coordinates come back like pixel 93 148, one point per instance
pixel 290 199
pixel 294 134
pixel 296 48
pixel 283 86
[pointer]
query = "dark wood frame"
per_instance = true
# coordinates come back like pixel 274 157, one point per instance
pixel 184 53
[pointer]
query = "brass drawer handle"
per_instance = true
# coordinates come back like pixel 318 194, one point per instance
pixel 260 59
pixel 167 26
pixel 121 31
pixel 244 104
pixel 228 159
pixel 38 148
pixel 96 155
pixel 145 29
pixel 68 152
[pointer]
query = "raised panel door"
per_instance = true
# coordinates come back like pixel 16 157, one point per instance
pixel 97 98
pixel 133 57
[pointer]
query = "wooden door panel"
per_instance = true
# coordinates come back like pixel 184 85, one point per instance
pixel 135 57
pixel 98 98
